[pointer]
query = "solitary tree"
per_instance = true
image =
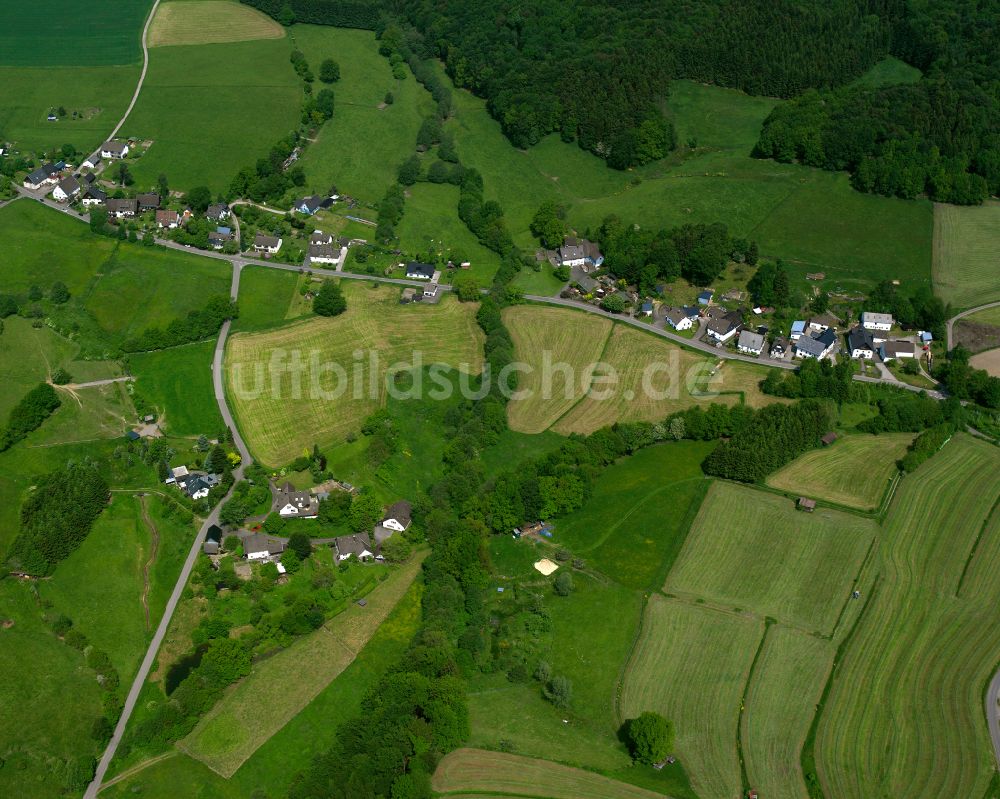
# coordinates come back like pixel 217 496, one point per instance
pixel 329 71
pixel 330 300
pixel 563 584
pixel 301 544
pixel 559 691
pixel 59 293
pixel 548 226
pixel 650 737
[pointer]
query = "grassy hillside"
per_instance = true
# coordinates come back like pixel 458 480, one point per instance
pixel 178 383
pixel 212 109
pixel 966 240
pixel 209 22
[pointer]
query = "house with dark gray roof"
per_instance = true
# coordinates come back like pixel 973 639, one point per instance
pixel 94 196
pixel 725 327
pixel 897 349
pixel 46 173
pixel 323 253
pixel 122 208
pixel 264 243
pixel 309 205
pixel 816 346
pixel 295 504
pixel 218 212
pixel 418 271
pixel 398 516
pixel 66 189
pixel 678 318
pixel 148 201
pixel 114 149
pixel 261 547
pixel 359 545
pixel 213 540
pixel 860 343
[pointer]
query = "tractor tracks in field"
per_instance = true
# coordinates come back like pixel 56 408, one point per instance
pixel 154 546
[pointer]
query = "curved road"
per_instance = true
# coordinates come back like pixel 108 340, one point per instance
pixel 951 322
pixel 993 714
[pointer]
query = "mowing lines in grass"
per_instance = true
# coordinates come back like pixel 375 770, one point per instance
pixel 751 549
pixel 781 699
pixel 904 714
pixel 691 664
pixel 278 426
pixel 239 723
pixel 478 772
pixel 966 242
pixel 854 472
pixel 209 22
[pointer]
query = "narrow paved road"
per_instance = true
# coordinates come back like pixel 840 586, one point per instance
pixel 951 322
pixel 92 383
pixel 993 714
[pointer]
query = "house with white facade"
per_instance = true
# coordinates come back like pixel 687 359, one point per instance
pixel 264 243
pixel 398 516
pixel 860 343
pixel 750 343
pixel 897 349
pixel 66 189
pixel 678 319
pixel 114 149
pixel 817 346
pixel 295 504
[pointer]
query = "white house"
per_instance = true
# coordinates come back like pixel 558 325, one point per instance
pixel 268 244
pixel 397 517
pixel 580 252
pixel 45 174
pixel 114 149
pixel 319 237
pixel 91 163
pixel 93 196
pixel 678 319
pixel 798 328
pixel 725 327
pixel 66 189
pixel 750 343
pixel 323 254
pixel 218 212
pixel 818 346
pixel 823 322
pixel 881 322
pixel 860 343
pixel 295 504
pixel 359 545
pixel 261 547
pixel 418 271
pixel 897 349
pixel 121 209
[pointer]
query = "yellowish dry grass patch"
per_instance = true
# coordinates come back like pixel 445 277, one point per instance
pixel 280 417
pixel 209 22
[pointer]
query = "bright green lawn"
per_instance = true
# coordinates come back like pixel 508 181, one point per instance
pixel 48 33
pixel 143 287
pixel 213 109
pixel 265 297
pixel 430 224
pixel 26 356
pixel 178 382
pixel 42 246
pixel 542 282
pixel 635 522
pixel 890 71
pixel 273 765
pixel 360 149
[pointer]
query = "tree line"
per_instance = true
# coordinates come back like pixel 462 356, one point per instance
pixel 341 13
pixel 198 325
pixel 33 408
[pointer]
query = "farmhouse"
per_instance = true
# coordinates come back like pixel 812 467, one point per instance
pixel 167 218
pixel 262 547
pixel 418 271
pixel 323 253
pixel 897 349
pixel 265 243
pixel 881 322
pixel 46 173
pixel 646 309
pixel 678 319
pixel 726 327
pixel 319 237
pixel 750 343
pixel 705 298
pixel 309 205
pixel 66 189
pixel 359 545
pixel 92 163
pixel 816 346
pixel 217 212
pixel 114 149
pixel 580 252
pixel 148 202
pixel 779 347
pixel 122 208
pixel 397 516
pixel 218 238
pixel 295 504
pixel 860 343
pixel 213 540
pixel 823 322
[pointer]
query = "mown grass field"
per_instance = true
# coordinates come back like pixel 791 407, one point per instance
pixel 278 425
pixel 663 483
pixel 750 550
pixel 676 378
pixel 691 665
pixel 360 149
pixel 855 471
pixel 209 22
pixel 266 297
pixel 812 219
pixel 781 698
pixel 178 383
pixel 238 724
pixel 966 241
pixel 290 749
pixel 212 109
pixel 27 355
pixel 904 716
pixel 478 772
pixel 46 680
pixel 431 225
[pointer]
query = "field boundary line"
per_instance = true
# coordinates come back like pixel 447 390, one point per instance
pixel 131 772
pixel 809 747
pixel 142 75
pixel 854 587
pixel 627 661
pixel 768 624
pixel 792 496
pixel 975 547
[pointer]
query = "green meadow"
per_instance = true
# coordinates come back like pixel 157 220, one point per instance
pixel 212 109
pixel 359 150
pixel 266 297
pixel 178 383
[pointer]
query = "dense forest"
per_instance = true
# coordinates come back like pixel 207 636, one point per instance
pixel 940 136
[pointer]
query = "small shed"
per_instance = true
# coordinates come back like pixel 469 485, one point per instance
pixel 829 438
pixel 131 435
pixel 806 504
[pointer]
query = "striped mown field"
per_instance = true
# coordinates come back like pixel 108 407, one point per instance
pixel 904 716
pixel 279 420
pixel 750 549
pixel 691 665
pixel 210 22
pixel 855 471
pixel 966 242
pixel 496 775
